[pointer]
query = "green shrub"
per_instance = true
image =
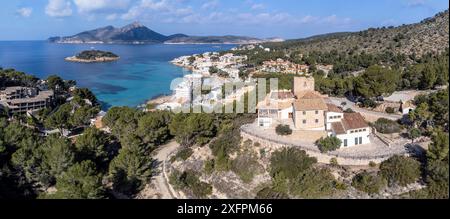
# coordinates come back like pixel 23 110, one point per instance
pixel 390 110
pixel 368 103
pixel 290 162
pixel 387 126
pixel 314 183
pixel 349 110
pixel 283 130
pixel 209 166
pixel 184 153
pixel 368 183
pixel 400 170
pixel 270 193
pixel 372 164
pixel 340 185
pixel 328 144
pixel 334 162
pixel 246 167
pixel 189 181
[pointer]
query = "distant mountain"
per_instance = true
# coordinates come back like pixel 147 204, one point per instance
pixel 214 40
pixel 137 33
pixel 429 35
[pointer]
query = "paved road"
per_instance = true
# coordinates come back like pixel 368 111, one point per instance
pixel 160 182
pixel 337 101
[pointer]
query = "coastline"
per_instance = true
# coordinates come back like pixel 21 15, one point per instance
pixel 160 99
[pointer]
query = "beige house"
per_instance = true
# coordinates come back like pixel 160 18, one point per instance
pixel 309 107
pixel 305 109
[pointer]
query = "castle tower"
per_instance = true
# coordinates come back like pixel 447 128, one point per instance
pixel 303 85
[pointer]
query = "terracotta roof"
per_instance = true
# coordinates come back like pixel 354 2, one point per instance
pixel 310 104
pixel 274 104
pixel 282 95
pixel 309 95
pixel 354 121
pixel 334 108
pixel 337 128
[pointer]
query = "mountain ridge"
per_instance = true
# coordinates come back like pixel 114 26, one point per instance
pixel 429 35
pixel 136 33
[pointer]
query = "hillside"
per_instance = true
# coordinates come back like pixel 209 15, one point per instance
pixel 430 35
pixel 137 33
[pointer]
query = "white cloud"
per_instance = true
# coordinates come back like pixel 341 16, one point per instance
pixel 162 9
pixel 58 8
pixel 258 6
pixel 88 6
pixel 416 3
pixel 111 17
pixel 213 4
pixel 24 12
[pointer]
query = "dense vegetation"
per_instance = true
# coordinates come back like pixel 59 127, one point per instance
pixel 412 40
pixel 367 182
pixel 293 172
pixel 95 54
pixel 387 126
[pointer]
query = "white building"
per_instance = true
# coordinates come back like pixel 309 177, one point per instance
pixel 275 108
pixel 352 129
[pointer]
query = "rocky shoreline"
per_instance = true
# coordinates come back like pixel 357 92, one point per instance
pixel 101 59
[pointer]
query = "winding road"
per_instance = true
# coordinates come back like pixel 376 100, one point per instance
pixel 160 179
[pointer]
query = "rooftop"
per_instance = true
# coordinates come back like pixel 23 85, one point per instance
pixel 310 104
pixel 354 121
pixel 334 108
pixel 281 95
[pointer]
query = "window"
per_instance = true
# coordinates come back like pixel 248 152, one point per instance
pixel 317 121
pixel 304 121
pixel 345 143
pixel 304 112
pixel 356 141
pixel 317 112
pixel 352 131
pixel 360 140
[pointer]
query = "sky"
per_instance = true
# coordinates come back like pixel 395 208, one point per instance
pixel 288 19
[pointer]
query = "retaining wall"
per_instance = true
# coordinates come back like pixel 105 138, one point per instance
pixel 272 145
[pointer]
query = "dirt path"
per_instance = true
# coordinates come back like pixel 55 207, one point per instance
pixel 159 180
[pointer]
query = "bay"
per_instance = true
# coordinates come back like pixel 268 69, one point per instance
pixel 141 73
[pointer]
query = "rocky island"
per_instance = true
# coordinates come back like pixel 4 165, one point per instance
pixel 90 56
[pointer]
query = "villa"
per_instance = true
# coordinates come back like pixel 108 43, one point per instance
pixel 306 110
pixel 25 99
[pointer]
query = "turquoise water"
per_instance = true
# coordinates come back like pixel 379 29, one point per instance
pixel 143 71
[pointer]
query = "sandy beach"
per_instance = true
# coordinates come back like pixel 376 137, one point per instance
pixel 160 100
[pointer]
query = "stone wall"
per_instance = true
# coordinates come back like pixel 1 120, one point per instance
pixel 271 146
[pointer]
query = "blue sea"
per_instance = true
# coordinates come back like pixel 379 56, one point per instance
pixel 143 71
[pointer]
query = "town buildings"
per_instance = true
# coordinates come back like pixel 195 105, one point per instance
pixel 304 109
pixel 25 99
pixel 283 66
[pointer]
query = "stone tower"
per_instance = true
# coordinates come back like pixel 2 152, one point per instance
pixel 303 85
